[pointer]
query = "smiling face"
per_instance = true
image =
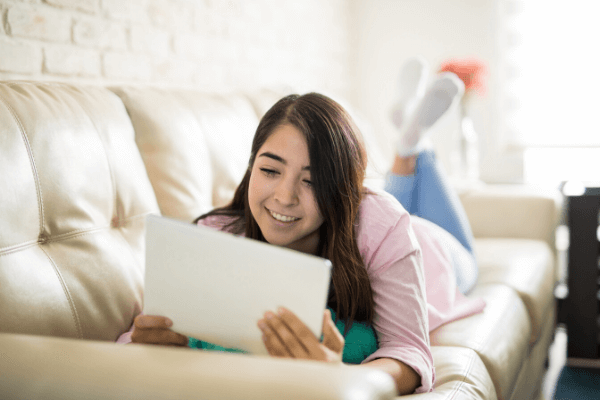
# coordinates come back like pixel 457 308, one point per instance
pixel 280 192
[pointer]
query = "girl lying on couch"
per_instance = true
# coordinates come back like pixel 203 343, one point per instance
pixel 304 190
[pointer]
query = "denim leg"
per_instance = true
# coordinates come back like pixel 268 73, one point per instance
pixel 402 188
pixel 428 195
pixel 437 202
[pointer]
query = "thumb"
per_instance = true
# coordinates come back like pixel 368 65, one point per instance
pixel 332 338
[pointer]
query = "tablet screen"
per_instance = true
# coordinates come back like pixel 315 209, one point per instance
pixel 215 286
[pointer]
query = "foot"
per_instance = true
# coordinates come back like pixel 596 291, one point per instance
pixel 411 88
pixel 438 99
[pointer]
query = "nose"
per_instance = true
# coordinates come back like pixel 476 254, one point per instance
pixel 286 192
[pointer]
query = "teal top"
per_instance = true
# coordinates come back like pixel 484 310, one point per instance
pixel 360 342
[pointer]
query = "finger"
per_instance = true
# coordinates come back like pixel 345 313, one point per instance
pixel 158 336
pixel 305 337
pixel 292 342
pixel 332 338
pixel 152 322
pixel 272 342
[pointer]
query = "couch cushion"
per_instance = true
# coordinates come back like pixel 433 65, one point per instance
pixel 74 197
pixel 195 145
pixel 229 123
pixel 460 374
pixel 529 381
pixel 500 335
pixel 56 368
pixel 512 211
pixel 527 266
pixel 172 144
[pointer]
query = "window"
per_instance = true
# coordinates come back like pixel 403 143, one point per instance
pixel 552 87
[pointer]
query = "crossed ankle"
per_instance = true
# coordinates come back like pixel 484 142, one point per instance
pixel 404 165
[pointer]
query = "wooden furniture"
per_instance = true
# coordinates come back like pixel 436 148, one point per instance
pixel 583 303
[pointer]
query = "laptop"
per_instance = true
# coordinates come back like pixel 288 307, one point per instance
pixel 215 286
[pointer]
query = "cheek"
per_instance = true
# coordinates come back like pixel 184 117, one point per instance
pixel 258 191
pixel 311 201
pixel 252 192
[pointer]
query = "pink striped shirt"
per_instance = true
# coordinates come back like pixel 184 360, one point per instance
pixel 410 300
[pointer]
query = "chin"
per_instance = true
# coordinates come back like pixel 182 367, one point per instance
pixel 277 241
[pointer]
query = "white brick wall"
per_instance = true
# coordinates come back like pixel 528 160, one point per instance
pixel 213 45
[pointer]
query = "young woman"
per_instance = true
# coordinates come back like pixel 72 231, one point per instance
pixel 303 190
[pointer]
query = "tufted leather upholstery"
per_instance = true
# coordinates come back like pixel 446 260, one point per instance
pixel 74 197
pixel 82 166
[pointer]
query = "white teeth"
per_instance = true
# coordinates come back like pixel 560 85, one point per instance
pixel 283 218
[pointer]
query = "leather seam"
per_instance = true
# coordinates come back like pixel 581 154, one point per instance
pixel 463 382
pixel 58 238
pixel 82 232
pixel 22 246
pixel 33 83
pixel 106 156
pixel 67 295
pixel 36 176
pixel 72 234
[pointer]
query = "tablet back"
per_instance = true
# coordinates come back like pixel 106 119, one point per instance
pixel 215 286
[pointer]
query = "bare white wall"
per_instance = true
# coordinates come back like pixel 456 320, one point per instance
pixel 214 45
pixel 387 32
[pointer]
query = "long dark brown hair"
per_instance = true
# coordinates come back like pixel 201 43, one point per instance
pixel 337 169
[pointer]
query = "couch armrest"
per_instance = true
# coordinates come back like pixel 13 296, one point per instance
pixel 513 211
pixel 37 367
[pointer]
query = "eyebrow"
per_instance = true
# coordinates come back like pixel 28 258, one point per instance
pixel 278 158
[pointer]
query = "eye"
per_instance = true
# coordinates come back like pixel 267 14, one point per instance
pixel 308 182
pixel 269 172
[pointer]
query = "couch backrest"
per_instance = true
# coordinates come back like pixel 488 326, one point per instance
pixel 81 167
pixel 74 193
pixel 195 146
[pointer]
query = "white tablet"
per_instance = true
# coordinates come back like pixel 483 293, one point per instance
pixel 215 286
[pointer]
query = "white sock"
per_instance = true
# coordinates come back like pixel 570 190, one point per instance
pixel 411 88
pixel 438 99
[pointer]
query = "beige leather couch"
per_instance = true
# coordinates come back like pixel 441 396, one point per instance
pixel 80 168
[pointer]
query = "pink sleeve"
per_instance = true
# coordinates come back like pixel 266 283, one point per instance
pixel 218 222
pixel 126 337
pixel 394 262
pixel 401 320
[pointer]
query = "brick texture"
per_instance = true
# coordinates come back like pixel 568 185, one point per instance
pixel 39 22
pixel 129 10
pixel 84 5
pixel 127 66
pixel 20 57
pixel 100 33
pixel 216 45
pixel 71 61
pixel 147 39
pixel 173 15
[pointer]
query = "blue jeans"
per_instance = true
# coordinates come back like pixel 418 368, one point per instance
pixel 428 195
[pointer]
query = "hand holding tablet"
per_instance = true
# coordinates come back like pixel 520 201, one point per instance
pixel 215 287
